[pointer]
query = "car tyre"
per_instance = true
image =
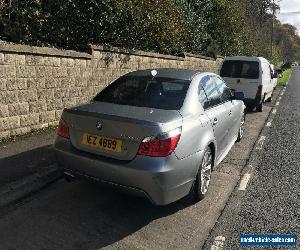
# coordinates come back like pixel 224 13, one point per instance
pixel 242 128
pixel 259 108
pixel 203 177
pixel 270 98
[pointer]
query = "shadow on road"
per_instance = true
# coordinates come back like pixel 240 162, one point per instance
pixel 18 165
pixel 83 215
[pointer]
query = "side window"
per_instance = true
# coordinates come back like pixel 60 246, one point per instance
pixel 224 90
pixel 213 95
pixel 202 96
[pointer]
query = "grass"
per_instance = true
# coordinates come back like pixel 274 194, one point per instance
pixel 285 77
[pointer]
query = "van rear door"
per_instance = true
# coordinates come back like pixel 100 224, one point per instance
pixel 242 75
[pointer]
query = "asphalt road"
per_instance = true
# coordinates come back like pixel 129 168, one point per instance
pixel 81 215
pixel 26 155
pixel 271 202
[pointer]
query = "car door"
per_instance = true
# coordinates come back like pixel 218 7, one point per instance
pixel 232 109
pixel 216 112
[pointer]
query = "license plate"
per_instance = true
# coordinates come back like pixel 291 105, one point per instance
pixel 102 142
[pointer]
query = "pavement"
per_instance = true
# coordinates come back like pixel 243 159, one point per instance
pixel 83 215
pixel 269 203
pixel 27 164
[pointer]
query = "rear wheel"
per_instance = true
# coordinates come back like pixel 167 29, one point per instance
pixel 203 176
pixel 259 108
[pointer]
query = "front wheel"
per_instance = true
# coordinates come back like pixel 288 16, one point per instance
pixel 203 176
pixel 270 98
pixel 242 128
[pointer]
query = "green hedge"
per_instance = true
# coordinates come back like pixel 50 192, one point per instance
pixel 207 27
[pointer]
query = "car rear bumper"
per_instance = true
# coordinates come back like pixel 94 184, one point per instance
pixel 162 180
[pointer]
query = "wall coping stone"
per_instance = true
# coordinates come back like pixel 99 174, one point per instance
pixel 199 56
pixel 45 51
pixel 134 52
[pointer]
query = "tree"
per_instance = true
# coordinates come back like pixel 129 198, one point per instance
pixel 207 27
pixel 287 39
pixel 196 37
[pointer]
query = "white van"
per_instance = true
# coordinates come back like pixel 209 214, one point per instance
pixel 251 75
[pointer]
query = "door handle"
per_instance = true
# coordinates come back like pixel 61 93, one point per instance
pixel 215 122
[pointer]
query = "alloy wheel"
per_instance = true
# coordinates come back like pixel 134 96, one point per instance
pixel 206 170
pixel 242 128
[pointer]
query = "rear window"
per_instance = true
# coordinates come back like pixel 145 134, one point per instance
pixel 159 93
pixel 240 69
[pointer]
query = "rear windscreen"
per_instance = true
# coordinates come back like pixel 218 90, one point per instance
pixel 240 69
pixel 160 93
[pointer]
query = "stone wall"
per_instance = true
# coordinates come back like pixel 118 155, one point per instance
pixel 37 83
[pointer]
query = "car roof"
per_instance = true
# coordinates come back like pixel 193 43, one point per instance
pixel 182 74
pixel 246 58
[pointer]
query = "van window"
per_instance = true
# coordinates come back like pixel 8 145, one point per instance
pixel 240 69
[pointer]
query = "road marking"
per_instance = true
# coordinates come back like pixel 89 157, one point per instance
pixel 280 98
pixel 261 142
pixel 282 93
pixel 274 111
pixel 218 243
pixel 244 182
pixel 269 124
pixel 277 103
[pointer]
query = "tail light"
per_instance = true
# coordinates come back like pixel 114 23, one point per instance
pixel 63 130
pixel 160 146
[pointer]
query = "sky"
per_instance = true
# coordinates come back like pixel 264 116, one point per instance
pixel 290 12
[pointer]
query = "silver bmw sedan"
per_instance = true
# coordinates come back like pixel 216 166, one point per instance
pixel 154 133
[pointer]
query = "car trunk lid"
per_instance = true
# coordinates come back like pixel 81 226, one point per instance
pixel 120 124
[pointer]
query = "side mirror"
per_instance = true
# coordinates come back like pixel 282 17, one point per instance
pixel 206 105
pixel 239 96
